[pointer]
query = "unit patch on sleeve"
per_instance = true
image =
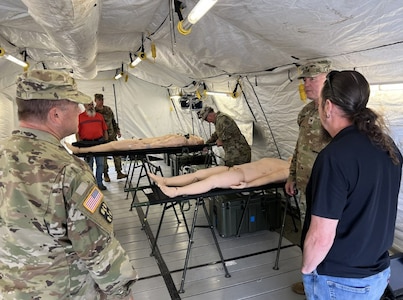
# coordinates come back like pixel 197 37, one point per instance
pixel 106 212
pixel 93 199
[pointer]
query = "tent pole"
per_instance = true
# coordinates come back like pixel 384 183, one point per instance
pixel 116 105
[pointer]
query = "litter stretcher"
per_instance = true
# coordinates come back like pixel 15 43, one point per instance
pixel 139 159
pixel 156 197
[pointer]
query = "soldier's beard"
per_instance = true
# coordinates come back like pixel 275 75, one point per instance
pixel 91 112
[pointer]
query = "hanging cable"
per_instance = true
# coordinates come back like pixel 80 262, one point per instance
pixel 142 54
pixel 116 104
pixel 25 60
pixel 235 94
pixel 178 5
pixel 267 121
pixel 250 108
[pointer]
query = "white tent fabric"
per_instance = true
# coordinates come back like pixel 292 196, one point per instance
pixel 258 44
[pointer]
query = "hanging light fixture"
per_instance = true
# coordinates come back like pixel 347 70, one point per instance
pixel 198 11
pixel 212 93
pixel 12 58
pixel 201 90
pixel 139 58
pixel 140 55
pixel 118 74
pixel 234 94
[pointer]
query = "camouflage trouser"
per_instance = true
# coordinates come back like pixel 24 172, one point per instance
pixel 301 199
pixel 302 207
pixel 237 158
pixel 117 161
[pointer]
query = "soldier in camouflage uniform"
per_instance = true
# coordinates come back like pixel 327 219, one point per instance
pixel 312 138
pixel 56 233
pixel 227 134
pixel 113 134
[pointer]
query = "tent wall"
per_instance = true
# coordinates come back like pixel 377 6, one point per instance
pixel 266 112
pixel 388 103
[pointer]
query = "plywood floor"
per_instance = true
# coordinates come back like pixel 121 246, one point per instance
pixel 249 258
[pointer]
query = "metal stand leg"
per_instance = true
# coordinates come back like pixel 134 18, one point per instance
pixel 184 219
pixel 192 229
pixel 143 224
pixel 166 206
pixel 158 230
pixel 143 169
pixel 227 274
pixel 200 201
pixel 238 232
pixel 176 214
pixel 128 183
pixel 281 234
pixel 130 175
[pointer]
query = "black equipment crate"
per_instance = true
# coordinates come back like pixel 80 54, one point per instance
pixel 179 160
pixel 263 212
pixel 394 290
pixel 191 169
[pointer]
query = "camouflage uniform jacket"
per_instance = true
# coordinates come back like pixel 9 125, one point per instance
pixel 311 140
pixel 56 232
pixel 113 126
pixel 237 149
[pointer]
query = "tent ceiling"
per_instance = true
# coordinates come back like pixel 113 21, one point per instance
pixel 234 38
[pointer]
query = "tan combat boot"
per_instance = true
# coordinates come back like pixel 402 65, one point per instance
pixel 298 288
pixel 121 175
pixel 106 177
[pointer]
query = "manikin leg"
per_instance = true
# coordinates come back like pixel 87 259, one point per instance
pixel 219 180
pixel 185 179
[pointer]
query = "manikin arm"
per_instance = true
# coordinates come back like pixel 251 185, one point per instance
pixel 276 176
pixel 111 146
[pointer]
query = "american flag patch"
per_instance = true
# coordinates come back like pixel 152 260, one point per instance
pixel 93 199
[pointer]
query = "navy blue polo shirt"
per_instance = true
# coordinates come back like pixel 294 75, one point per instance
pixel 356 183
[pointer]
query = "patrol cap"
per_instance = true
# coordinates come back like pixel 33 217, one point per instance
pixel 99 96
pixel 203 113
pixel 49 85
pixel 313 69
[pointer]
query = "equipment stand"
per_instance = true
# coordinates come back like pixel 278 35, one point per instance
pixel 200 201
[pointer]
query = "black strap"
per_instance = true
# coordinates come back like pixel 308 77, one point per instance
pixel 83 144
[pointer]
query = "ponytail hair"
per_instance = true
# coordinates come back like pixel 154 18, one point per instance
pixel 350 91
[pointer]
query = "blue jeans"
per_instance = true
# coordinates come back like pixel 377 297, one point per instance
pixel 322 287
pixel 99 161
